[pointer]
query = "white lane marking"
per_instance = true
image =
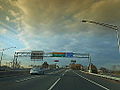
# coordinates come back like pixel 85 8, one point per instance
pixel 54 84
pixel 92 81
pixel 32 77
pixel 57 81
pixel 54 72
pixel 66 70
pixel 25 79
pixel 63 74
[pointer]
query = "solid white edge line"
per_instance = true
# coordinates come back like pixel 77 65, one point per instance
pixel 104 76
pixel 54 84
pixel 92 81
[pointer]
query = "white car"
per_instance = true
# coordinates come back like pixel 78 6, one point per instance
pixel 37 70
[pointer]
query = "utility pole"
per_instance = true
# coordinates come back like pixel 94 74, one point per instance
pixel 114 27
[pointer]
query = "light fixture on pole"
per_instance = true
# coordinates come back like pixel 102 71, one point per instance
pixel 114 27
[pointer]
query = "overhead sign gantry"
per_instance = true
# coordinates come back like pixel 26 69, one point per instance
pixel 42 54
pixel 39 55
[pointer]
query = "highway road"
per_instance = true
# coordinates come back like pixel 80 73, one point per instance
pixel 63 79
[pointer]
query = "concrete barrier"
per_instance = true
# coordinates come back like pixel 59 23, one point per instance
pixel 104 76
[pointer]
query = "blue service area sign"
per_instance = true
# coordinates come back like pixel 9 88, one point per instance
pixel 69 54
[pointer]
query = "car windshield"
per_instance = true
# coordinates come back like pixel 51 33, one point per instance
pixel 59 44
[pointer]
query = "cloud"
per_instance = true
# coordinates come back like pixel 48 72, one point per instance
pixel 53 14
pixel 54 25
pixel 64 16
pixel 9 14
pixel 1 7
pixel 46 21
pixel 3 31
pixel 103 11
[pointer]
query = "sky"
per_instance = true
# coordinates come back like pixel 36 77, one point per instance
pixel 55 25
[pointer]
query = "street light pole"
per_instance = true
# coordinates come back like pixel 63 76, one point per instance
pixel 1 58
pixel 118 41
pixel 3 52
pixel 90 64
pixel 114 27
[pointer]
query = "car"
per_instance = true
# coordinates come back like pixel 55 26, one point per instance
pixel 37 70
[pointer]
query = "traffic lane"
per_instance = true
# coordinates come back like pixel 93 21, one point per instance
pixel 9 78
pixel 12 85
pixel 6 81
pixel 18 77
pixel 40 82
pixel 111 84
pixel 51 70
pixel 71 81
pixel 22 76
pixel 13 73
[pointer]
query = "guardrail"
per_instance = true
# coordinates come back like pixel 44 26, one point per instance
pixel 104 76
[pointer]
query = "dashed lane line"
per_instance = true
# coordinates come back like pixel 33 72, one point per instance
pixel 29 78
pixel 54 84
pixel 25 79
pixel 54 72
pixel 57 81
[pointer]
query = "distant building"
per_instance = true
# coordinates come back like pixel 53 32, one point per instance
pixel 76 66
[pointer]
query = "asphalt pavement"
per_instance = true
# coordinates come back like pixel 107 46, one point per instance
pixel 61 79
